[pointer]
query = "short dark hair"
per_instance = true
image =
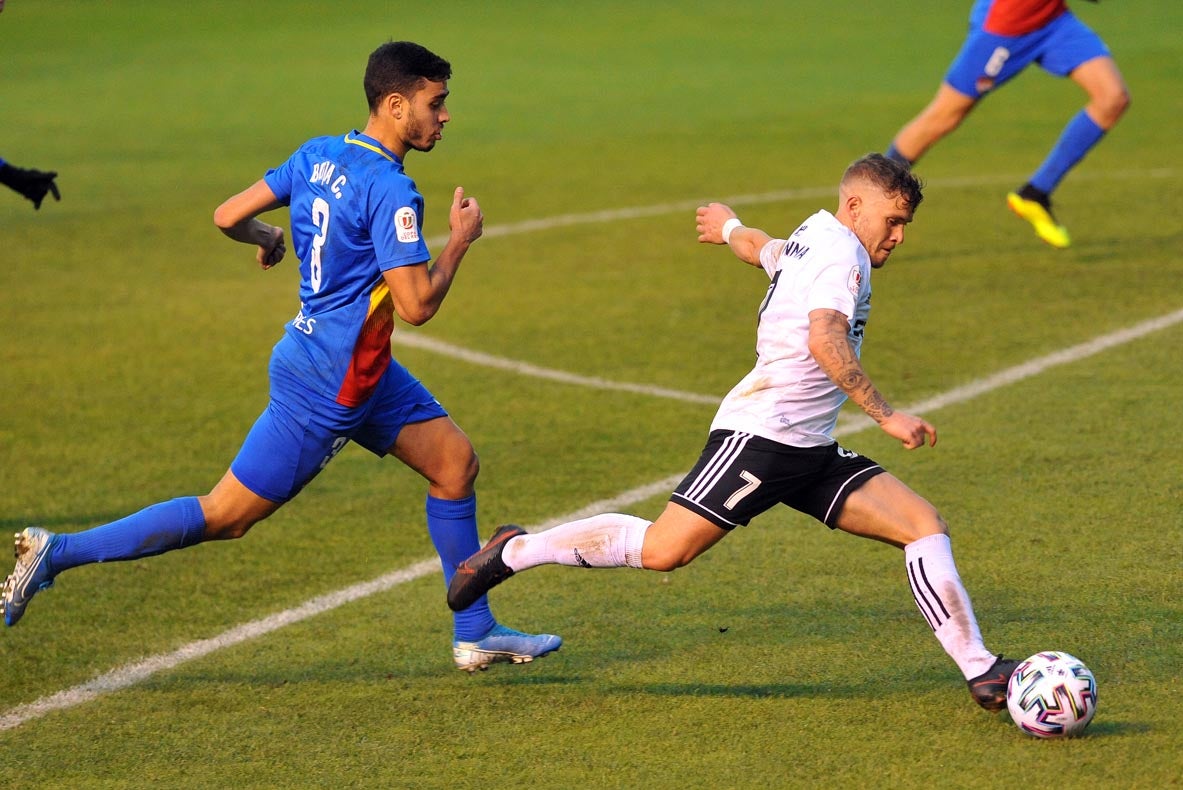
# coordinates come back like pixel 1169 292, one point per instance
pixel 895 178
pixel 398 66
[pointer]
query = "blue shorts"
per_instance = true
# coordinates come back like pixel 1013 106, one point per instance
pixel 301 431
pixel 987 61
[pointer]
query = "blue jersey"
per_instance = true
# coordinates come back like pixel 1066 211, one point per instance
pixel 354 215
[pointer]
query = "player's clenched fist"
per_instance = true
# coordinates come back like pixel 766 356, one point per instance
pixel 709 221
pixel 465 218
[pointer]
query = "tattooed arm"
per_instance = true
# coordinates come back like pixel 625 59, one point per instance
pixel 830 347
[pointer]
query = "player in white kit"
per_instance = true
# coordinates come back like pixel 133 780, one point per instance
pixel 771 441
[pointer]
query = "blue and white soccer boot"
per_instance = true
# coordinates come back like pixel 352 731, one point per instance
pixel 31 575
pixel 503 646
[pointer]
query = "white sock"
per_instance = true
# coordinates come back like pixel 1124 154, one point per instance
pixel 945 604
pixel 610 540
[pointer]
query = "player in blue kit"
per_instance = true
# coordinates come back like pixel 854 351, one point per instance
pixel 356 222
pixel 1006 36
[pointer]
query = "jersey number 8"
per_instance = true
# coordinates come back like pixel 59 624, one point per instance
pixel 320 218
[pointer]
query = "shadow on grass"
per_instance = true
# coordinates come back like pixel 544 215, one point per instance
pixel 763 691
pixel 1116 728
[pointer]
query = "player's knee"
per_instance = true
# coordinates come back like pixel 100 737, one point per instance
pixel 918 521
pixel 663 562
pixel 1113 104
pixel 468 466
pixel 226 522
pixel 928 522
pixel 456 475
pixel 943 116
pixel 947 122
pixel 228 526
pixel 665 558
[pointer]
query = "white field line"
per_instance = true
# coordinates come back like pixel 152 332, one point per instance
pixel 526 369
pixel 443 348
pixel 130 674
pixel 760 198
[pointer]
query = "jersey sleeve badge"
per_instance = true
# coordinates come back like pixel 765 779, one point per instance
pixel 855 281
pixel 406 224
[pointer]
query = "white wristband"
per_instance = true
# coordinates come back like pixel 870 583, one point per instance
pixel 729 226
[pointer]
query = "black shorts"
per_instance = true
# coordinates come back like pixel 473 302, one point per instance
pixel 740 475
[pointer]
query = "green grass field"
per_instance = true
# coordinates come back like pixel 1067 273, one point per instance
pixel 134 340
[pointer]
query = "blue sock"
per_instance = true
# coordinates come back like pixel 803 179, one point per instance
pixel 894 153
pixel 154 530
pixel 1078 138
pixel 452 526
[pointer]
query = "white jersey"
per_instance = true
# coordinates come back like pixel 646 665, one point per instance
pixel 786 397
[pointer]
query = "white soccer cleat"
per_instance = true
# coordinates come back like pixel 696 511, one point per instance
pixel 31 575
pixel 503 646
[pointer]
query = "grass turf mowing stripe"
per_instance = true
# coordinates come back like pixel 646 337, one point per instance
pixel 130 674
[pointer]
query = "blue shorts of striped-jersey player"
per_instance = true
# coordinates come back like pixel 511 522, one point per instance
pixel 302 430
pixel 986 61
pixel 740 475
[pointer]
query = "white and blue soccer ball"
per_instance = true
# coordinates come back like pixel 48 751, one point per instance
pixel 1052 695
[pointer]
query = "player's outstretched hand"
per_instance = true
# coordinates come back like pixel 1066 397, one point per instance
pixel 465 218
pixel 912 431
pixel 272 251
pixel 33 184
pixel 709 221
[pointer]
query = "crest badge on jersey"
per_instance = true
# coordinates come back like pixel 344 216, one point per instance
pixel 855 281
pixel 406 224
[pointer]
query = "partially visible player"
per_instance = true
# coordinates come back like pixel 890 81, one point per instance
pixel 31 183
pixel 771 442
pixel 1006 36
pixel 357 229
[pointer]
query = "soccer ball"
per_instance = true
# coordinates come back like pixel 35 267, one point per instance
pixel 1052 695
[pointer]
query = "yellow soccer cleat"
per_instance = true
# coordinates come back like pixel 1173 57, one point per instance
pixel 1041 219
